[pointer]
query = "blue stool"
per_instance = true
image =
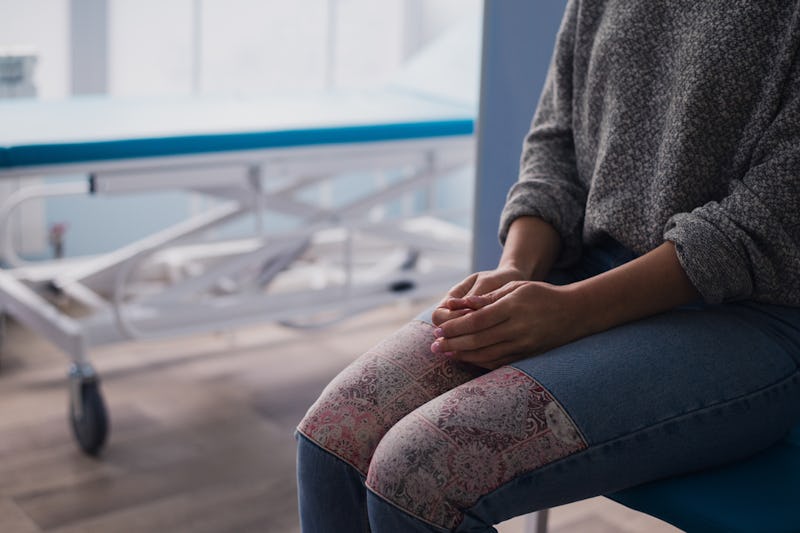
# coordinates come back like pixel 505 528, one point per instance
pixel 758 495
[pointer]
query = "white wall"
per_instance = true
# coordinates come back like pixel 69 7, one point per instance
pixel 261 45
pixel 247 45
pixel 40 24
pixel 438 15
pixel 255 45
pixel 369 44
pixel 150 47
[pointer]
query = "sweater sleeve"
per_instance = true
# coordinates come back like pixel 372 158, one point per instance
pixel 548 185
pixel 747 245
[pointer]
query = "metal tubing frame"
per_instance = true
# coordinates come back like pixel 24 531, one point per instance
pixel 247 178
pixel 19 301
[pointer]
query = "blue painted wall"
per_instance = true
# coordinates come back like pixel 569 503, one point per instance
pixel 518 38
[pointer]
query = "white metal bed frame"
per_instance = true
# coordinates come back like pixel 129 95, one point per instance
pixel 241 280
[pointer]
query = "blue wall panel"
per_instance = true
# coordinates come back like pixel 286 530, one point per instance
pixel 518 38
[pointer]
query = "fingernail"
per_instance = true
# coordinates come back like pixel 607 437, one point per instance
pixel 438 332
pixel 436 347
pixel 449 354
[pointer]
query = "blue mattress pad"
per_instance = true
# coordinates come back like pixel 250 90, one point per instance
pixel 37 133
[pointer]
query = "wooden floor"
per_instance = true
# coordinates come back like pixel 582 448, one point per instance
pixel 201 436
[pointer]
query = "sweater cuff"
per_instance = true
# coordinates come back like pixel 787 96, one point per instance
pixel 709 258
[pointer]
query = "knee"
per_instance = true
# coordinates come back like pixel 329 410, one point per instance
pixel 410 469
pixel 448 454
pixel 378 389
pixel 345 420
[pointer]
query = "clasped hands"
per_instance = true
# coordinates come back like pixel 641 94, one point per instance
pixel 496 317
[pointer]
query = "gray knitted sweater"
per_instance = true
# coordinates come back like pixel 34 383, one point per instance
pixel 676 120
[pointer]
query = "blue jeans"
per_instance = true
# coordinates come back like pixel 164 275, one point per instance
pixel 407 441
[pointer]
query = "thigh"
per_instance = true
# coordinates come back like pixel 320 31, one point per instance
pixel 680 391
pixel 382 386
pixel 667 366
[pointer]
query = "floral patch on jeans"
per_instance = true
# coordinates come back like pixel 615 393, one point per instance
pixel 385 384
pixel 468 442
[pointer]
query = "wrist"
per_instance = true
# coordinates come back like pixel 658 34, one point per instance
pixel 515 267
pixel 531 247
pixel 650 284
pixel 585 316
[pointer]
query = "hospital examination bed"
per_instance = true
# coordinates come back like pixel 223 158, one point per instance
pixel 253 159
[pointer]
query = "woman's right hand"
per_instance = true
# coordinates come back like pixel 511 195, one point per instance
pixel 477 284
pixel 531 248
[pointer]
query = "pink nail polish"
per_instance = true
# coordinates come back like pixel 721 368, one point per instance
pixel 438 332
pixel 449 354
pixel 436 347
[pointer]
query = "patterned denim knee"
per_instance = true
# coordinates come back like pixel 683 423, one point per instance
pixel 395 377
pixel 464 444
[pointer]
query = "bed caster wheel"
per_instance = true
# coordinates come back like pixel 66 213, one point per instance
pixel 87 411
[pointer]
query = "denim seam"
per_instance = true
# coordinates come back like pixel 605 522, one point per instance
pixel 425 420
pixel 564 411
pixel 716 403
pixel 363 479
pixel 409 513
pixel 298 431
pixel 597 448
pixel 300 434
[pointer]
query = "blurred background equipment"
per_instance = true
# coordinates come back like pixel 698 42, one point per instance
pixel 222 202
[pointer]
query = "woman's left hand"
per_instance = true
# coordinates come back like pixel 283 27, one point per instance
pixel 520 319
